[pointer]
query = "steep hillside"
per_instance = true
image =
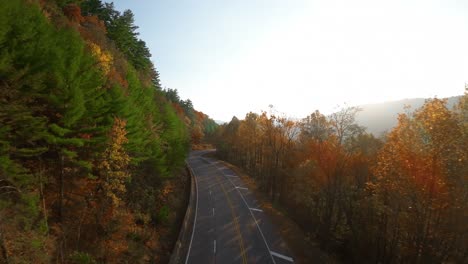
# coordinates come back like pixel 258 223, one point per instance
pixel 91 148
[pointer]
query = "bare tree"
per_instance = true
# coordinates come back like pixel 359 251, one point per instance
pixel 344 124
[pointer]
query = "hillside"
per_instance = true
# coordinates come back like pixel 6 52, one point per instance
pixel 92 149
pixel 382 117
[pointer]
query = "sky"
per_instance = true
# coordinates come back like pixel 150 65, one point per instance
pixel 231 57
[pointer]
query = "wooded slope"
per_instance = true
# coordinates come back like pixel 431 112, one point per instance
pixel 88 138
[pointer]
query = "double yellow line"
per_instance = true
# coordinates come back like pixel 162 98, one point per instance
pixel 236 223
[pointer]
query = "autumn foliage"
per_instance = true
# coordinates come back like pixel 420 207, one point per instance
pixel 114 165
pixel 399 199
pixel 89 143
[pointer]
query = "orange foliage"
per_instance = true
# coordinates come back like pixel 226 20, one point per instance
pixel 403 202
pixel 73 12
pixel 179 109
pixel 199 116
pixel 95 22
pixel 415 179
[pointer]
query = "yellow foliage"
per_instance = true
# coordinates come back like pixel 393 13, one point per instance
pixel 420 180
pixel 114 165
pixel 105 58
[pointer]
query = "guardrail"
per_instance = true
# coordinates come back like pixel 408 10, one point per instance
pixel 180 250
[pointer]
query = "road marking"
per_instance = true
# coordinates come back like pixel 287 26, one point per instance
pixel 211 162
pixel 213 211
pixel 196 209
pixel 256 222
pixel 236 223
pixel 212 185
pixel 272 253
pixel 202 166
pixel 281 256
pixel 210 192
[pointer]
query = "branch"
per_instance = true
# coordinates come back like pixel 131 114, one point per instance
pixel 11 187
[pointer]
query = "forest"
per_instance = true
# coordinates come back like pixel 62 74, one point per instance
pixel 402 198
pixel 92 148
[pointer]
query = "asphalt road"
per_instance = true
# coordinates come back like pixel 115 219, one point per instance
pixel 229 226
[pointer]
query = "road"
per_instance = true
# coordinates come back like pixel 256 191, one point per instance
pixel 229 226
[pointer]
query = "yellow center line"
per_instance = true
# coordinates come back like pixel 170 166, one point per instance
pixel 236 223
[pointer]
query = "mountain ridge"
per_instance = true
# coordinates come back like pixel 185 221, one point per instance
pixel 378 118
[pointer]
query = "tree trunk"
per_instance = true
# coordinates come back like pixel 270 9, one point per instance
pixel 61 184
pixel 3 249
pixel 44 209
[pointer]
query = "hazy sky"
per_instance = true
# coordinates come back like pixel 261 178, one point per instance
pixel 234 56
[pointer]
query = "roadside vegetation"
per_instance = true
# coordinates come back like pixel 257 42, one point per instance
pixel 400 198
pixel 92 148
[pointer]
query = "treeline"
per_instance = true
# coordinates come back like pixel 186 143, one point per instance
pixel 202 127
pixel 400 199
pixel 87 134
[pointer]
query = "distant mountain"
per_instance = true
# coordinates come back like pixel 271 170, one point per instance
pixel 219 122
pixel 382 117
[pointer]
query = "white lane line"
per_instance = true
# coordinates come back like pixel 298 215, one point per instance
pixel 211 186
pixel 213 162
pixel 195 220
pixel 202 166
pixel 256 223
pixel 255 219
pixel 255 209
pixel 281 256
pixel 210 192
pixel 213 211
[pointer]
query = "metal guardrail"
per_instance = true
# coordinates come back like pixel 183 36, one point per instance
pixel 180 250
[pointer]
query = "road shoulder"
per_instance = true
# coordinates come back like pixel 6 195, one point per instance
pixel 181 247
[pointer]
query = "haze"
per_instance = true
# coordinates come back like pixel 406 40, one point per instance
pixel 232 57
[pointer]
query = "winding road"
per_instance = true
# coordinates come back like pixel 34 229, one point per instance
pixel 229 226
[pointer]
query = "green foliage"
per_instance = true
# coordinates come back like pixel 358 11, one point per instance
pixel 176 137
pixel 210 126
pixel 78 257
pixel 172 95
pixel 36 244
pixel 201 126
pixel 92 7
pixel 62 167
pixel 121 29
pixel 163 214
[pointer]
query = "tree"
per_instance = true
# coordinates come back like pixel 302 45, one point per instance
pixel 114 165
pixel 418 190
pixel 343 123
pixel 77 120
pixel 316 127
